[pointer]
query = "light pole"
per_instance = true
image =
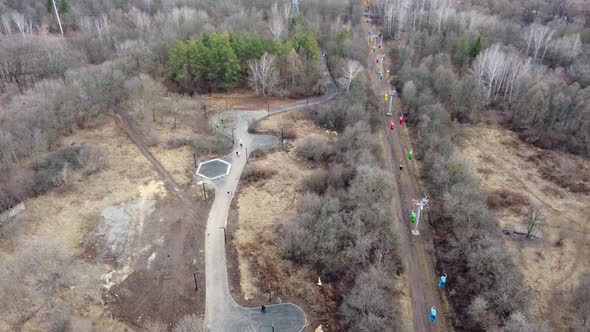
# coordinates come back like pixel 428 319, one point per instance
pixel 57 15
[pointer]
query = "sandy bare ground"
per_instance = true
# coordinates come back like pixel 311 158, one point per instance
pixel 551 265
pixel 242 100
pixel 134 246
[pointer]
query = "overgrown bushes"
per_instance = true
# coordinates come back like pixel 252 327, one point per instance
pixel 580 303
pixel 506 199
pixel 253 173
pixel 471 249
pixel 51 171
pixel 367 307
pixel 337 178
pixel 315 149
pixel 216 144
pixel 342 227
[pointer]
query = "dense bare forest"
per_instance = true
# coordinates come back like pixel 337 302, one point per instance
pixel 522 64
pixel 112 51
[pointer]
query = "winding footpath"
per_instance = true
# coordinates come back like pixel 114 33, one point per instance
pixel 222 313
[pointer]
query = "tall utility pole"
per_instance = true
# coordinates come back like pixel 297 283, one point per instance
pixel 57 14
pixel 294 8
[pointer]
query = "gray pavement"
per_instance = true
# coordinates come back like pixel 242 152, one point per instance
pixel 222 313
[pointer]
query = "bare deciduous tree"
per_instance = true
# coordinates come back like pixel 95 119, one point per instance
pixel 567 48
pixel 498 70
pixel 142 20
pixel 7 147
pixel 24 25
pixel 30 279
pixel 533 220
pixel 478 311
pixel 489 67
pixel 538 37
pixel 263 74
pixel 5 19
pixel 294 67
pixel 96 26
pixel 349 73
pixel 277 20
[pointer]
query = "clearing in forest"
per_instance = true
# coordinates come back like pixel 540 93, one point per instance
pixel 127 242
pixel 514 175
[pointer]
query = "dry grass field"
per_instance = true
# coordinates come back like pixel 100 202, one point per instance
pixel 514 175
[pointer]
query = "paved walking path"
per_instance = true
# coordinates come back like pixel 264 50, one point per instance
pixel 222 313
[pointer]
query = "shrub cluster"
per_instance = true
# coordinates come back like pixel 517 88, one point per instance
pixel 253 173
pixel 315 149
pixel 217 144
pixel 471 251
pixel 48 172
pixel 343 224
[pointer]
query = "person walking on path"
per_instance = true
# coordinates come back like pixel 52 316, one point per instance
pixel 238 153
pixel 263 308
pixel 241 144
pixel 401 166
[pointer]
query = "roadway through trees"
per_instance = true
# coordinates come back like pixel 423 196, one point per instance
pixel 222 313
pixel 418 250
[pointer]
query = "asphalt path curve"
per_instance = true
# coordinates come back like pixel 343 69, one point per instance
pixel 222 313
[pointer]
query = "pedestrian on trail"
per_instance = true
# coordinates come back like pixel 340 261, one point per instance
pixel 228 192
pixel 241 144
pixel 401 166
pixel 238 153
pixel 442 281
pixel 263 308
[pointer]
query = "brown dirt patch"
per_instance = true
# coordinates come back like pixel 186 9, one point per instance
pixel 161 286
pixel 550 265
pixel 294 122
pixel 506 199
pixel 242 100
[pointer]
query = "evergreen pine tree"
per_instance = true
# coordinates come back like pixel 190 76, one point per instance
pixel 64 6
pixel 463 49
pixel 443 39
pixel 476 47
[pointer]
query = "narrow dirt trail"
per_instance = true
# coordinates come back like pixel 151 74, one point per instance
pixel 126 123
pixel 417 250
